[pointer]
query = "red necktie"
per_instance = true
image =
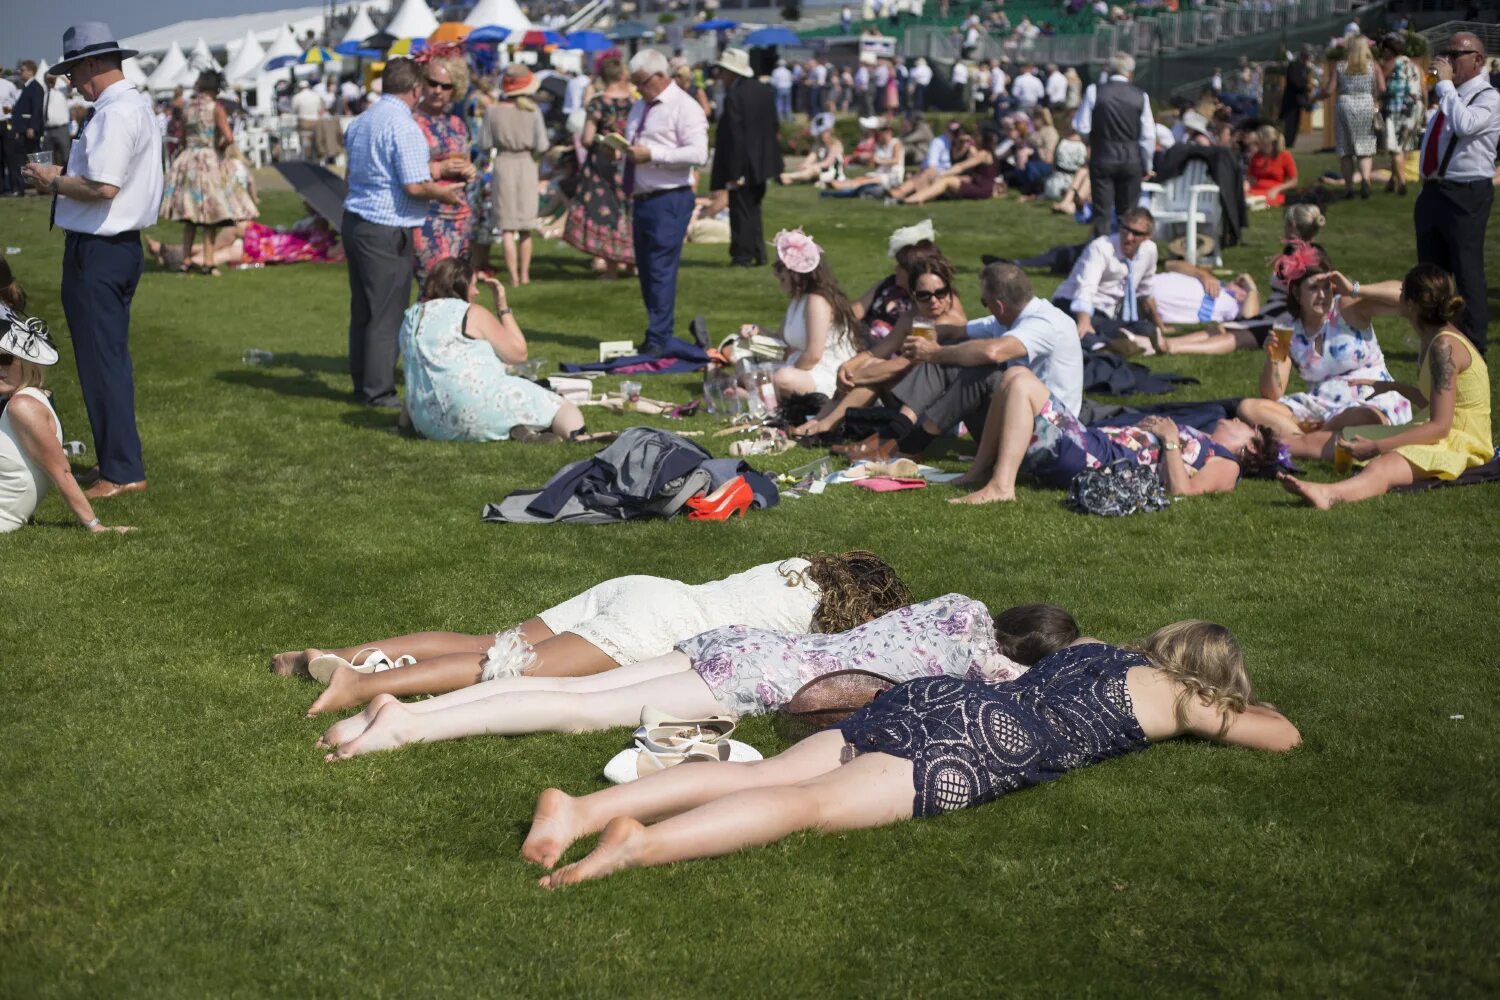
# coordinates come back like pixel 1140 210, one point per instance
pixel 1435 139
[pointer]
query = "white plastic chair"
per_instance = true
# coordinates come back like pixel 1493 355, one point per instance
pixel 1189 200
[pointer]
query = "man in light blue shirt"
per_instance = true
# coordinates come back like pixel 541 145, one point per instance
pixel 391 179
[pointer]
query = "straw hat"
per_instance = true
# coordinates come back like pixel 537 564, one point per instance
pixel 518 81
pixel 737 61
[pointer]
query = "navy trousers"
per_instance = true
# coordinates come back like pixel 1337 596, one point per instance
pixel 660 226
pixel 1450 218
pixel 98 282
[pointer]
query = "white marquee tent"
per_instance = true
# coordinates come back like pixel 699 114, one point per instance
pixel 219 32
pixel 505 13
pixel 172 65
pixel 132 69
pixel 360 28
pixel 413 20
pixel 285 44
pixel 244 66
pixel 198 60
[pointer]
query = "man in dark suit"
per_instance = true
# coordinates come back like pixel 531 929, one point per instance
pixel 1296 96
pixel 747 154
pixel 26 116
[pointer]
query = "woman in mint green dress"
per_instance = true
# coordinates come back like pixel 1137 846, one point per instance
pixel 455 353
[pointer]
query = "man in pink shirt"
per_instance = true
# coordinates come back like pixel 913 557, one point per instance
pixel 668 136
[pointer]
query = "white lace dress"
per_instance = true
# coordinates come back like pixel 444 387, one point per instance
pixel 633 618
pixel 755 670
pixel 838 347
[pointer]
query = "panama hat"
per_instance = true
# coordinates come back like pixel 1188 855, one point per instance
pixel 26 337
pixel 88 40
pixel 518 80
pixel 1206 246
pixel 737 61
pixel 872 123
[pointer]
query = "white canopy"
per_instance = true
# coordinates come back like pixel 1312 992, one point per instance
pixel 247 61
pixel 360 28
pixel 41 69
pixel 284 45
pixel 413 20
pixel 132 69
pixel 172 66
pixel 505 13
pixel 220 31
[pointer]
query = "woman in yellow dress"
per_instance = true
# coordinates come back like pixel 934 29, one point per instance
pixel 1452 380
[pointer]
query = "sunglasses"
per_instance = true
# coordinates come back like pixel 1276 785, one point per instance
pixel 1139 234
pixel 937 293
pixel 1458 53
pixel 438 86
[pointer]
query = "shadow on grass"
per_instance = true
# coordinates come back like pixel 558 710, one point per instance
pixel 303 385
pixel 373 419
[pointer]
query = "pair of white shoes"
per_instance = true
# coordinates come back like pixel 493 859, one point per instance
pixel 322 667
pixel 662 742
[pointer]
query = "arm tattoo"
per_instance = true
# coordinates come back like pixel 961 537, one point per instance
pixel 1443 372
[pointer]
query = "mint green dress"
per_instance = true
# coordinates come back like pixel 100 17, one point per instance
pixel 457 388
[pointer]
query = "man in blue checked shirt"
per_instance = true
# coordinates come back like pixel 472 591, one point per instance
pixel 391 175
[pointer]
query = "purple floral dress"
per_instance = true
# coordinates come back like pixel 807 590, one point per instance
pixel 752 670
pixel 449 229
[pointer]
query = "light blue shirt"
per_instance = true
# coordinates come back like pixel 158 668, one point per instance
pixel 387 151
pixel 939 154
pixel 1053 351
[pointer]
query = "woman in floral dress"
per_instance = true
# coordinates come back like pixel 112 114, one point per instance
pixel 1403 107
pixel 734 670
pixel 449 229
pixel 200 189
pixel 599 220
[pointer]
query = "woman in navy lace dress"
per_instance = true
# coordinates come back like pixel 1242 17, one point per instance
pixel 925 747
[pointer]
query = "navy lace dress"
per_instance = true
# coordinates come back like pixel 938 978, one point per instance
pixel 971 742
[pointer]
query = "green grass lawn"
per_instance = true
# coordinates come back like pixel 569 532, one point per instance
pixel 166 827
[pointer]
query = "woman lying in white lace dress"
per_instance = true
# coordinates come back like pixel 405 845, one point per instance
pixel 614 624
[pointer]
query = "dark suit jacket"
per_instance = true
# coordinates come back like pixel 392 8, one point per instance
pixel 27 114
pixel 747 143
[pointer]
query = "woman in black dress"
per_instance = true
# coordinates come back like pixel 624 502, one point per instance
pixel 599 219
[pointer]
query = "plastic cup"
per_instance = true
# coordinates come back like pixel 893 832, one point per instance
pixel 1343 457
pixel 44 158
pixel 1281 342
pixel 632 393
pixel 923 328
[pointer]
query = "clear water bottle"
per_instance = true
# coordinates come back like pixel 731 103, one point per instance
pixel 765 387
pixel 256 356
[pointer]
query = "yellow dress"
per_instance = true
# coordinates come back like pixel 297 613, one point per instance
pixel 1468 442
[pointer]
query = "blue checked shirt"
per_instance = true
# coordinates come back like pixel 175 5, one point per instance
pixel 386 152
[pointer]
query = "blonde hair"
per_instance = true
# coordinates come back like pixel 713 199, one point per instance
pixel 29 374
pixel 1208 664
pixel 1271 136
pixel 1357 59
pixel 458 73
pixel 1305 221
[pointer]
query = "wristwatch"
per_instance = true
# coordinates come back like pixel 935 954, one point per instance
pixel 1170 445
pixel 55 181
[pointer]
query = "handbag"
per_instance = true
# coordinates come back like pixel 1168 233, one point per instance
pixel 1115 490
pixel 832 698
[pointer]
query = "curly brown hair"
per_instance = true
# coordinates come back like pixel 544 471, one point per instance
pixel 856 587
pixel 1263 457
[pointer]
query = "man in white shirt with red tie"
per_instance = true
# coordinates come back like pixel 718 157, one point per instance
pixel 668 136
pixel 1457 158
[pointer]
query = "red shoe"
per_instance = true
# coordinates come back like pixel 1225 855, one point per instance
pixel 734 497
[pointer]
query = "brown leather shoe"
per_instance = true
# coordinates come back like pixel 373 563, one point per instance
pixel 104 489
pixel 849 448
pixel 880 451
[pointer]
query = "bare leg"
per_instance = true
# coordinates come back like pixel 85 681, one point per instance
pixel 636 673
pixel 569 419
pixel 1217 341
pixel 524 239
pixel 210 256
pixel 872 790
pixel 934 190
pixel 1021 397
pixel 561 819
pixel 791 382
pixel 422 645
pixel 683 693
pixel 1319 443
pixel 508 245
pixel 189 237
pixel 1269 413
pixel 1372 481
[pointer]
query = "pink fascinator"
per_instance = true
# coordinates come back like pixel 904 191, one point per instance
pixel 1299 259
pixel 797 251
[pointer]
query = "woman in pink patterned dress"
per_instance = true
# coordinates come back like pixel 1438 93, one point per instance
pixel 599 219
pixel 448 229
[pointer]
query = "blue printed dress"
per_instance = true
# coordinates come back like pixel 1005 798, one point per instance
pixel 457 388
pixel 1345 353
pixel 970 743
pixel 755 670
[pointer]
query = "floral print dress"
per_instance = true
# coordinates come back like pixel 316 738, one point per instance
pixel 599 219
pixel 1062 447
pixel 448 229
pixel 752 670
pixel 1345 353
pixel 201 186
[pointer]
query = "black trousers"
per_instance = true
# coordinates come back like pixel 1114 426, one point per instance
pixel 380 273
pixel 1291 124
pixel 1116 188
pixel 1108 326
pixel 59 142
pixel 99 277
pixel 12 159
pixel 1450 218
pixel 945 394
pixel 747 240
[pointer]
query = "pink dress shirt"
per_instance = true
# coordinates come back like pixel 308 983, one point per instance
pixel 676 131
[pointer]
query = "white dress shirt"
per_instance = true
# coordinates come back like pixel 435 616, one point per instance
pixel 120 146
pixel 55 112
pixel 307 105
pixel 1057 88
pixel 675 130
pixel 921 75
pixel 9 94
pixel 1097 282
pixel 1471 116
pixel 1083 120
pixel 1053 352
pixel 1028 90
pixel 573 98
pixel 998 81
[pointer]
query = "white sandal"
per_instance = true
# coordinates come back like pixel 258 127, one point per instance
pixel 638 762
pixel 322 667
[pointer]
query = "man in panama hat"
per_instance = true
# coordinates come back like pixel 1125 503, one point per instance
pixel 748 154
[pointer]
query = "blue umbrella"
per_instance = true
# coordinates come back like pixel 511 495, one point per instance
pixel 715 24
pixel 282 62
pixel 589 41
pixel 353 48
pixel 767 38
pixel 488 33
pixel 542 37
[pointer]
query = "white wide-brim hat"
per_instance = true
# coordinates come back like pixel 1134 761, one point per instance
pixel 737 61
pixel 26 337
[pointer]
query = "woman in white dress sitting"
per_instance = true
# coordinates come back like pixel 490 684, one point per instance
pixel 31 452
pixel 455 352
pixel 819 330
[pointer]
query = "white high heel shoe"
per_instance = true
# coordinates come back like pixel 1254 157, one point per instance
pixel 322 667
pixel 662 733
pixel 638 762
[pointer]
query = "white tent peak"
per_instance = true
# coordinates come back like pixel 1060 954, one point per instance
pixel 172 65
pixel 247 61
pixel 131 67
pixel 505 13
pixel 284 45
pixel 413 20
pixel 360 28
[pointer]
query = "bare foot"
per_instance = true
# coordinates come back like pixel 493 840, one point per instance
pixel 293 664
pixel 342 692
pixel 554 827
pixel 388 731
pixel 989 494
pixel 971 478
pixel 619 847
pixel 1317 494
pixel 345 730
